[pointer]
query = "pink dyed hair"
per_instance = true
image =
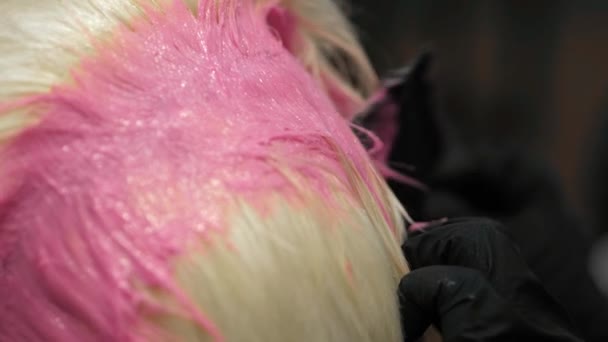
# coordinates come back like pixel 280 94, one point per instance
pixel 180 140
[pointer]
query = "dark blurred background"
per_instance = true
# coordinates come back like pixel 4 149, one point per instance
pixel 533 73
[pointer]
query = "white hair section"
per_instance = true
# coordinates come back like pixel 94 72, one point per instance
pixel 307 271
pixel 41 40
pixel 332 35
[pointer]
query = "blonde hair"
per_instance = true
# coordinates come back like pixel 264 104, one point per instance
pixel 314 267
pixel 307 271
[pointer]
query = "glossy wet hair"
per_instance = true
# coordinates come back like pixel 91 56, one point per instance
pixel 162 181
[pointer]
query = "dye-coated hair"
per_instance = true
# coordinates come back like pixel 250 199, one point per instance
pixel 182 170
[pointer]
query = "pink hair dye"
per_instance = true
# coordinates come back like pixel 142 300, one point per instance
pixel 138 156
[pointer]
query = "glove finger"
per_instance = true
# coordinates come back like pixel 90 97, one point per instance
pixel 458 301
pixel 469 242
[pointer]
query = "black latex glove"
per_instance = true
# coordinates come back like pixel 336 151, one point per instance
pixel 525 195
pixel 506 183
pixel 469 280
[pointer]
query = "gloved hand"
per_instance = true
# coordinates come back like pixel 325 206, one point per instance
pixel 525 195
pixel 470 281
pixel 505 183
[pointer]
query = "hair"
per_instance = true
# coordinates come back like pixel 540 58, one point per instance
pixel 319 261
